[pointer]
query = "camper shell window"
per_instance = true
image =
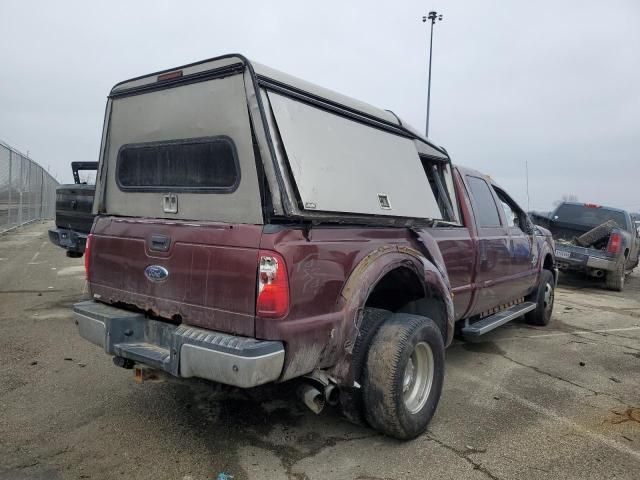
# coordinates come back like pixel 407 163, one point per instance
pixel 439 176
pixel 208 164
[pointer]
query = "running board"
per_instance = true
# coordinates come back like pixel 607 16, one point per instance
pixel 494 321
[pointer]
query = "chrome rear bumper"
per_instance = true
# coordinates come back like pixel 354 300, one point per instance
pixel 181 350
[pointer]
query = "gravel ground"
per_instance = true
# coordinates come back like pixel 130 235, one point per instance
pixel 521 402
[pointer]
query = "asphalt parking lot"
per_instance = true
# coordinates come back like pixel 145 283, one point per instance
pixel 521 402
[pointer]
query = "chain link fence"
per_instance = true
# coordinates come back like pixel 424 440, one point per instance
pixel 27 191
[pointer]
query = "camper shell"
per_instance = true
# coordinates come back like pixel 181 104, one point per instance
pixel 290 150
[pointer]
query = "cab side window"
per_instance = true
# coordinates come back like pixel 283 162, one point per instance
pixel 509 214
pixel 516 218
pixel 485 209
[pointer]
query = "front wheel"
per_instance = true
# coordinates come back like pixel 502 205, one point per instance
pixel 544 297
pixel 403 376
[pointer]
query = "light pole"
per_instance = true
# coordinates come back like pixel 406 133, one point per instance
pixel 433 16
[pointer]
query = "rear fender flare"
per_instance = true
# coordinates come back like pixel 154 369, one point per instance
pixel 361 283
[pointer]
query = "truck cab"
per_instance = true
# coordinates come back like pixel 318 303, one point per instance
pixel 495 256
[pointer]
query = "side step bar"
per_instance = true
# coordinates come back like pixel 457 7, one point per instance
pixel 494 321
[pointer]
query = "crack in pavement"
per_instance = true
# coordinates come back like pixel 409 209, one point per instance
pixel 574 333
pixel 369 477
pixel 627 311
pixel 551 414
pixel 618 344
pixel 464 454
pixel 36 459
pixel 328 443
pixel 609 334
pixel 559 332
pixel 557 377
pixel 579 334
pixel 514 460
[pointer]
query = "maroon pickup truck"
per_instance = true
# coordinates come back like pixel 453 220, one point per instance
pixel 252 228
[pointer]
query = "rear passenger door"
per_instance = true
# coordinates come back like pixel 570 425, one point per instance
pixel 494 258
pixel 524 254
pixel 456 244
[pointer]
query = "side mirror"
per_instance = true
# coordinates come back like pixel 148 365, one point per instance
pixel 532 229
pixel 525 224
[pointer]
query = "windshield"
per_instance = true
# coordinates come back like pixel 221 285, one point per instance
pixel 588 216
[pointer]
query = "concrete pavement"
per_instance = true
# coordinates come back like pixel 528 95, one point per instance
pixel 520 402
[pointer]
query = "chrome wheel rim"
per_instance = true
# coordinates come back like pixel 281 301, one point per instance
pixel 548 297
pixel 418 377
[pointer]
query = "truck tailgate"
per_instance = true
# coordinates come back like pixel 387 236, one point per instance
pixel 201 274
pixel 582 256
pixel 74 203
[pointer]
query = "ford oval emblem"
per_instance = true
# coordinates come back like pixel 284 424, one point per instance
pixel 156 273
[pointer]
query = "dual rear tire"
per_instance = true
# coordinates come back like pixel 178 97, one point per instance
pixel 402 376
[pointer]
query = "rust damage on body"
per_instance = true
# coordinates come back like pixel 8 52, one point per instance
pixel 362 282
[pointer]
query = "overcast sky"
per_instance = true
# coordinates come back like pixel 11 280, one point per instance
pixel 554 84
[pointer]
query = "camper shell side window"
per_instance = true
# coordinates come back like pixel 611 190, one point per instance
pixel 441 183
pixel 208 164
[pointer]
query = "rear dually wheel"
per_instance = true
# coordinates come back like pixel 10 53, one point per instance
pixel 403 376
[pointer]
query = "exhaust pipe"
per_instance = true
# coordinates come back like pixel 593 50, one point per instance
pixel 312 398
pixel 332 394
pixel 596 273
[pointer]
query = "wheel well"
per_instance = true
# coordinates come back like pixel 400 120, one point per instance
pixel 548 263
pixel 400 290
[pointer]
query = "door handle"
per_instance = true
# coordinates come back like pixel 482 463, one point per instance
pixel 483 251
pixel 159 243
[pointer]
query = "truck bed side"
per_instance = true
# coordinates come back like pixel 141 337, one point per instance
pixel 332 270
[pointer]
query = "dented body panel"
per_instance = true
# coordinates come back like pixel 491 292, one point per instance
pixel 331 273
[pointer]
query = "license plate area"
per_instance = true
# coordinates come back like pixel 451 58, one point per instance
pixel 563 254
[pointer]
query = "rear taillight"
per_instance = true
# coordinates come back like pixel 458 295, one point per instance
pixel 615 243
pixel 273 286
pixel 87 256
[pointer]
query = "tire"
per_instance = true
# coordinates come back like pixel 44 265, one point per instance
pixel 600 232
pixel 403 376
pixel 614 280
pixel 351 398
pixel 372 319
pixel 543 297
